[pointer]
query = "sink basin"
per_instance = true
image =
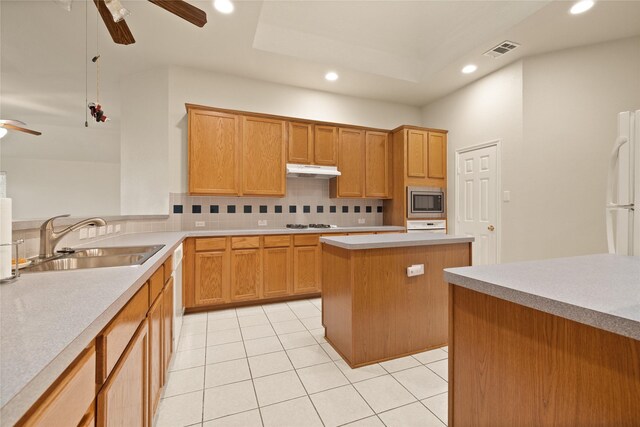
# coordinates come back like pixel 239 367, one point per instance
pixel 97 258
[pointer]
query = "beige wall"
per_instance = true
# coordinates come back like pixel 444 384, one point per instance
pixel 555 115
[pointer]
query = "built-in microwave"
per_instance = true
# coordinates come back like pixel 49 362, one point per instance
pixel 425 202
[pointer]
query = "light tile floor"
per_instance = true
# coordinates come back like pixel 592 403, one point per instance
pixel 271 366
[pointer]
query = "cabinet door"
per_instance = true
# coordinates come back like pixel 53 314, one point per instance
pixel 123 398
pixel 156 365
pixel 437 155
pixel 212 282
pixel 214 153
pixel 246 274
pixel 350 163
pixel 416 154
pixel 276 279
pixel 167 327
pixel 325 150
pixel 300 143
pixel 306 269
pixel 377 165
pixel 263 156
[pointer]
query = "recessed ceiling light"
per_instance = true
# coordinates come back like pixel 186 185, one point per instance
pixel 581 7
pixel 223 6
pixel 331 76
pixel 468 69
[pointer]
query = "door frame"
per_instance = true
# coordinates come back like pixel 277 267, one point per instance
pixel 498 144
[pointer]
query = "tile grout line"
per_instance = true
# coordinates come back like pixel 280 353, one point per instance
pixel 294 368
pixel 429 409
pixel 253 385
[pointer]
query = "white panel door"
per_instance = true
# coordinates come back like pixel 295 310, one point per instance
pixel 477 205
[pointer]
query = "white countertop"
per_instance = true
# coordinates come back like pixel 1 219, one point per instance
pixel 394 240
pixel 602 291
pixel 48 318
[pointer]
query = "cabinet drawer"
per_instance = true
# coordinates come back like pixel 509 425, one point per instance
pixel 70 400
pixel 168 268
pixel 156 283
pixel 277 241
pixel 114 339
pixel 211 244
pixel 306 240
pixel 245 242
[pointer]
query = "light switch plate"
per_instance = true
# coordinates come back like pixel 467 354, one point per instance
pixel 199 223
pixel 262 223
pixel 91 232
pixel 83 233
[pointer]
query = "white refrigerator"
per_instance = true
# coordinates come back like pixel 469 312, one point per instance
pixel 623 188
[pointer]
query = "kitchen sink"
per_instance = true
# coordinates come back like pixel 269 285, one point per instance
pixel 96 258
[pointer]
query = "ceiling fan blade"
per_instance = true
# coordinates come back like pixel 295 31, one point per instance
pixel 119 31
pixel 12 122
pixel 184 10
pixel 21 129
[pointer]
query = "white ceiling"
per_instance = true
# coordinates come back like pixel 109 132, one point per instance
pixel 408 52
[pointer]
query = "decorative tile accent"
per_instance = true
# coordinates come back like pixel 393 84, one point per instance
pixel 345 209
pixel 332 209
pixel 356 209
pixel 231 209
pixel 196 209
pixel 306 209
pixel 292 209
pixel 379 209
pixel 263 209
pixel 177 209
pixel 319 209
pixel 247 209
pixel 278 209
pixel 214 209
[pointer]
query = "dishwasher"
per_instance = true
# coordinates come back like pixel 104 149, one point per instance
pixel 177 295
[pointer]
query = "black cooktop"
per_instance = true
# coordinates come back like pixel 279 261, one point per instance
pixel 303 226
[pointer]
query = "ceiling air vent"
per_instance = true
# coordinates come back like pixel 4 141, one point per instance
pixel 499 50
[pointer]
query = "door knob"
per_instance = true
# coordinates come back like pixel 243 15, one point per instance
pixel 491 228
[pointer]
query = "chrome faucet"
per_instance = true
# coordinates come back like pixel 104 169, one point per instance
pixel 49 238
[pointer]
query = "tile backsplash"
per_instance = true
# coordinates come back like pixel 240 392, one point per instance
pixel 307 202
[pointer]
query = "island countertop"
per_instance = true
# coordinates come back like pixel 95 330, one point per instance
pixel 602 291
pixel 394 240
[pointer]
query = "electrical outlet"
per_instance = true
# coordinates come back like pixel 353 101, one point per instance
pixel 83 233
pixel 109 229
pixel 91 232
pixel 361 221
pixel 262 223
pixel 199 223
pixel 117 228
pixel 102 230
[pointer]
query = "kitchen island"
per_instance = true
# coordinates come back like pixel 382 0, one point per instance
pixel 554 342
pixel 371 309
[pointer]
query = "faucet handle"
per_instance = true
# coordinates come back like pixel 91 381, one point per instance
pixel 49 222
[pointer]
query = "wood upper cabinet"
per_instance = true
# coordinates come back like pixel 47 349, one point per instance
pixel 212 282
pixel 416 153
pixel 155 318
pixel 300 143
pixel 325 150
pixel 214 153
pixel 437 155
pixel 123 398
pixel 167 327
pixel 351 143
pixel 263 156
pixel 276 280
pixel 246 274
pixel 377 165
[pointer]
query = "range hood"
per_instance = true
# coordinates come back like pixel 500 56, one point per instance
pixel 311 171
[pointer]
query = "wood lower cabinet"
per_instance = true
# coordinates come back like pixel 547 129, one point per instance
pixel 325 149
pixel 212 281
pixel 377 165
pixel 246 274
pixel 214 153
pixel 276 280
pixel 307 269
pixel 300 143
pixel 155 318
pixel 167 326
pixel 263 156
pixel 350 163
pixel 123 398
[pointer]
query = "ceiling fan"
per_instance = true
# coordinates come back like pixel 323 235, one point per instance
pixel 113 13
pixel 6 125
